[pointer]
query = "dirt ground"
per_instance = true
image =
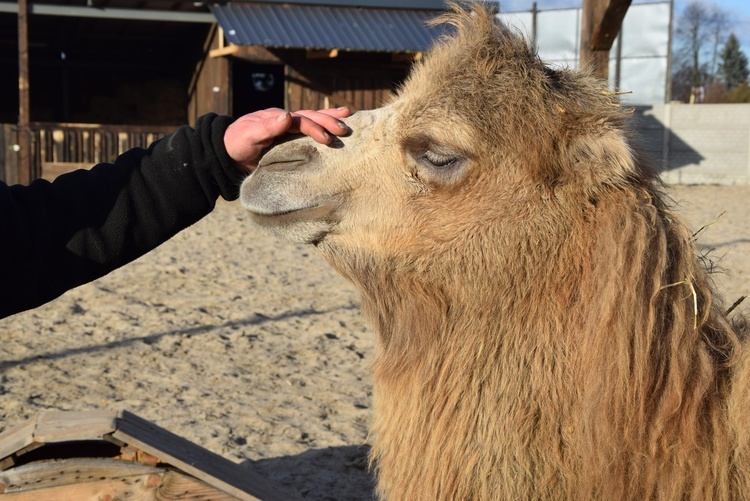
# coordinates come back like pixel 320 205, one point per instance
pixel 248 346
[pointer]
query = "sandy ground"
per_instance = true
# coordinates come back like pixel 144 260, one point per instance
pixel 249 346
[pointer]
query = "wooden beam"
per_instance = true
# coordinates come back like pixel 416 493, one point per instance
pixel 252 53
pixel 322 53
pixel 102 478
pixel 600 24
pixel 24 132
pixel 609 26
pixel 406 57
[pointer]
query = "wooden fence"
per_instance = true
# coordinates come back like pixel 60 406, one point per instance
pixel 57 148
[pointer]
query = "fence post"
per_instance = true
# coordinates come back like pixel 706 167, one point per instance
pixel 24 131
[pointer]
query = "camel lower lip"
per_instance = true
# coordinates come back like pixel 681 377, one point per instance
pixel 283 213
pixel 320 212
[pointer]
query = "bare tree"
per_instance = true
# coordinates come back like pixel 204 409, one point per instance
pixel 699 33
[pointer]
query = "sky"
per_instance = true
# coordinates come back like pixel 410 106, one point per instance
pixel 737 10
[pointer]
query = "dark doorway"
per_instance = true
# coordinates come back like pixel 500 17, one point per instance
pixel 256 87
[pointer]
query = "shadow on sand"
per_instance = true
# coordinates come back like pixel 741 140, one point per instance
pixel 330 474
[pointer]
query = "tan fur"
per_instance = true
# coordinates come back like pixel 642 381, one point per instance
pixel 534 302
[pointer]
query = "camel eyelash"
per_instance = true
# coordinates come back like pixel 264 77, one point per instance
pixel 439 160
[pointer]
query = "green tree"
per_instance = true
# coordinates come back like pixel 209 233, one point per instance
pixel 733 68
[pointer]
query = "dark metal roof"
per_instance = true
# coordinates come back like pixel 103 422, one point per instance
pixel 326 27
pixel 370 4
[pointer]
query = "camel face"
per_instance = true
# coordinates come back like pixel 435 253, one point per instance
pixel 302 189
pixel 397 183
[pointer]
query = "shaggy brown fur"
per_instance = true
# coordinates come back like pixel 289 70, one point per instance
pixel 533 294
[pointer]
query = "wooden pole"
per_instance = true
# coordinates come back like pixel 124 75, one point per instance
pixel 601 21
pixel 597 61
pixel 24 130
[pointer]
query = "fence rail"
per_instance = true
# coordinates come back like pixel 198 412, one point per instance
pixel 57 148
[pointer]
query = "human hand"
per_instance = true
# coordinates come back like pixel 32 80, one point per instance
pixel 250 134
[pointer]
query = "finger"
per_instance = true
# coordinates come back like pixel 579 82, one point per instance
pixel 329 122
pixel 319 126
pixel 304 125
pixel 342 112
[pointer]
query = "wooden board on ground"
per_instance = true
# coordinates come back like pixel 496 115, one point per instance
pixel 147 462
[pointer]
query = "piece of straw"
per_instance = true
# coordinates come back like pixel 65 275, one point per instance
pixel 695 298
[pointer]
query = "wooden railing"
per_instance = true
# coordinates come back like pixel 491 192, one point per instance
pixel 57 148
pixel 63 147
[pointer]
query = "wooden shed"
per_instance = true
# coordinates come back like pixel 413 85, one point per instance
pixel 108 455
pixel 305 54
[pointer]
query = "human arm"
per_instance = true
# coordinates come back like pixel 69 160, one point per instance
pixel 56 236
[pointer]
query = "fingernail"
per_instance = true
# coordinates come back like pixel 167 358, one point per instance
pixel 343 125
pixel 327 136
pixel 282 117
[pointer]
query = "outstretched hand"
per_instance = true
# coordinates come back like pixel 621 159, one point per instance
pixel 246 138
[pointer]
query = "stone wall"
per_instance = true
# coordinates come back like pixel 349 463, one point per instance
pixel 698 144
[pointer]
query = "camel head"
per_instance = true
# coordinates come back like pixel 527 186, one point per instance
pixel 477 146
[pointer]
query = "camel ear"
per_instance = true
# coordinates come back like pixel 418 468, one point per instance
pixel 598 159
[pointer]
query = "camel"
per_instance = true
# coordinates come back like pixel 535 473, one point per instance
pixel 546 328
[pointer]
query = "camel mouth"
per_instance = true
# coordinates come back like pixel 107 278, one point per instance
pixel 305 225
pixel 283 215
pixel 289 215
pixel 288 195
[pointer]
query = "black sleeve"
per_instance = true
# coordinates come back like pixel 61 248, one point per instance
pixel 56 236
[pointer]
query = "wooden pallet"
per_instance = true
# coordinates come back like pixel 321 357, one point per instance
pixel 102 455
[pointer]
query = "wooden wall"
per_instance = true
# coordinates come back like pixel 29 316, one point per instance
pixel 210 87
pixel 356 79
pixel 362 86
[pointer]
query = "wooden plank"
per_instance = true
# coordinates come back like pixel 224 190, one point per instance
pixel 197 461
pixel 53 427
pixel 163 129
pixel 56 473
pixel 90 479
pixel 58 426
pixel 406 57
pixel 58 137
pixel 14 440
pixel 228 50
pixel 122 142
pixel 322 53
pixel 252 53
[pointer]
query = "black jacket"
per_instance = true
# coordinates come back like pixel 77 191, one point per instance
pixel 56 236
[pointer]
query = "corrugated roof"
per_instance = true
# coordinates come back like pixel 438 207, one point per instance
pixel 325 27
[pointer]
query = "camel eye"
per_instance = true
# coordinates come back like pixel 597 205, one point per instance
pixel 438 160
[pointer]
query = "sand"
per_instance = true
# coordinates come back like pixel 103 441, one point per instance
pixel 249 346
